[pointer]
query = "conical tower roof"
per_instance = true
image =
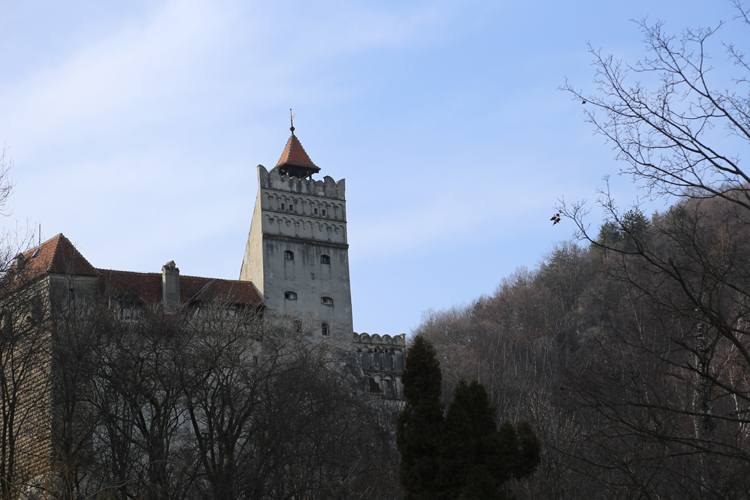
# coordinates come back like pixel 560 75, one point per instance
pixel 294 160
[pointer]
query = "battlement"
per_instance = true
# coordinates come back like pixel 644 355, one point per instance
pixel 327 188
pixel 381 358
pixel 375 339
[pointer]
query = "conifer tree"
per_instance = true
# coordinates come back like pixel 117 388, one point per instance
pixel 463 456
pixel 477 458
pixel 420 425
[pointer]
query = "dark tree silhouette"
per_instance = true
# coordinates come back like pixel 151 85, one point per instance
pixel 420 425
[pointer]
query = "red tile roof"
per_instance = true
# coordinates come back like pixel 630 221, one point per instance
pixel 58 256
pixel 147 287
pixel 55 256
pixel 294 154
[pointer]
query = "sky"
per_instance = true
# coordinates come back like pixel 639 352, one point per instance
pixel 135 128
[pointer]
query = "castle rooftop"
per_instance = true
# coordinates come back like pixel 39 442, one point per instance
pixel 294 160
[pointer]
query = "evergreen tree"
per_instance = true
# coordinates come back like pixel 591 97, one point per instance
pixel 420 425
pixel 477 458
pixel 463 456
pixel 529 451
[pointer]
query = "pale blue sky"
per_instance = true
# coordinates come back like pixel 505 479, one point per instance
pixel 136 126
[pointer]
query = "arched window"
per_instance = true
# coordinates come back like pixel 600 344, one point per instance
pixel 328 301
pixel 290 295
pixel 325 328
pixel 324 259
pixel 288 255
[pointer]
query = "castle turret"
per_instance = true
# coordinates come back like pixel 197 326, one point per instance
pixel 294 160
pixel 297 253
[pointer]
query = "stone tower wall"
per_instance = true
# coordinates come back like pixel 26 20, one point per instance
pixel 307 218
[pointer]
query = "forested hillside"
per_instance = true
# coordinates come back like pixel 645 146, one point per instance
pixel 628 349
pixel 632 365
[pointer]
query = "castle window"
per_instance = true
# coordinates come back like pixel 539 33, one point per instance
pixel 323 212
pixel 291 207
pixel 315 211
pixel 290 295
pixel 282 206
pixel 325 329
pixel 324 259
pixel 288 255
pixel 130 313
pixel 327 301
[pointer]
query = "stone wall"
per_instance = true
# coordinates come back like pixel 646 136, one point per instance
pixel 297 253
pixel 382 360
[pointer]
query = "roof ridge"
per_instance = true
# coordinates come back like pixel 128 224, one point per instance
pixel 40 245
pixel 181 275
pixel 75 254
pixel 102 270
pixel 54 253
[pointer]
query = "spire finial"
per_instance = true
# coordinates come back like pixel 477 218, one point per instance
pixel 291 119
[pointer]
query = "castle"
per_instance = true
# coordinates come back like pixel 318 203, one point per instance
pixel 296 263
pixel 297 257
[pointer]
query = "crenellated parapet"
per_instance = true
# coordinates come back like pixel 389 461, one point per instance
pixel 375 339
pixel 327 188
pixel 382 361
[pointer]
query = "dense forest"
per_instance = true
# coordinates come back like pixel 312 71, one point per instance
pixel 627 349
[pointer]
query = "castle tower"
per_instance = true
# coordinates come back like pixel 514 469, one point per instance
pixel 297 253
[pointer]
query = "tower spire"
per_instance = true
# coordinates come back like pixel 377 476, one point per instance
pixel 294 160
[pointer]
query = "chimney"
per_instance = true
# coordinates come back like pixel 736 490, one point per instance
pixel 18 264
pixel 170 287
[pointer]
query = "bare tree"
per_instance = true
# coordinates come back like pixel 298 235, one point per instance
pixel 666 135
pixel 660 387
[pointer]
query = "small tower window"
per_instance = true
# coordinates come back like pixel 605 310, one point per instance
pixel 288 255
pixel 323 212
pixel 325 329
pixel 328 301
pixel 291 207
pixel 315 211
pixel 282 206
pixel 290 295
pixel 324 259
